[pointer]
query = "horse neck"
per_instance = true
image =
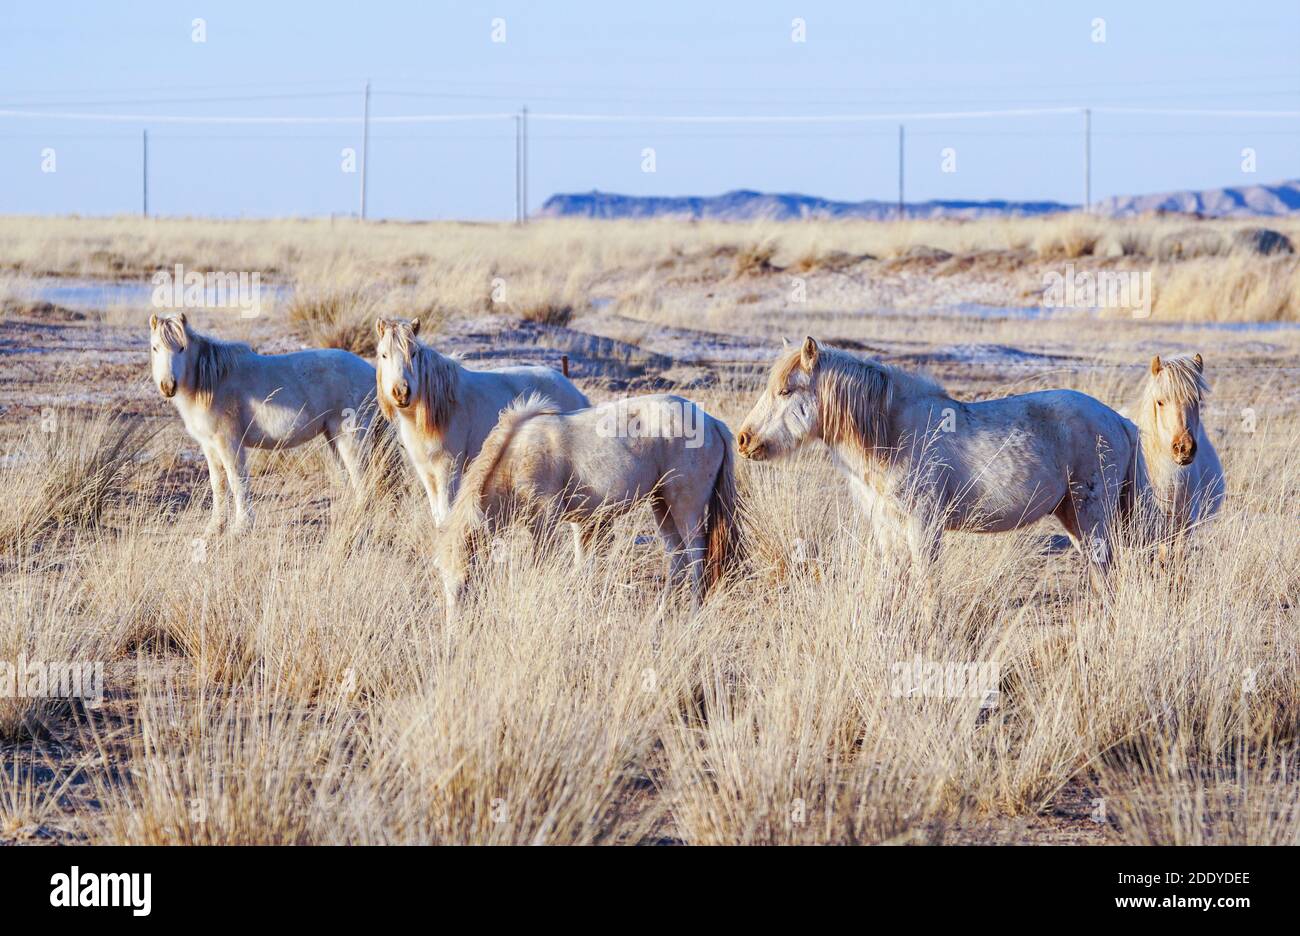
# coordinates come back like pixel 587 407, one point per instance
pixel 217 356
pixel 908 414
pixel 445 368
pixel 869 449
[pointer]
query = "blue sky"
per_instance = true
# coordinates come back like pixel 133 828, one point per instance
pixel 276 59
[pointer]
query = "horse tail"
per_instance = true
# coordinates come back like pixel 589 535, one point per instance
pixel 480 471
pixel 722 528
pixel 467 509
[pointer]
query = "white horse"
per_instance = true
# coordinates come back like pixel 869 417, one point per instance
pixel 921 462
pixel 590 465
pixel 444 411
pixel 1187 480
pixel 232 398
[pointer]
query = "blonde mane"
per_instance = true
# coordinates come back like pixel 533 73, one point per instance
pixel 437 379
pixel 211 359
pixel 1179 380
pixel 854 396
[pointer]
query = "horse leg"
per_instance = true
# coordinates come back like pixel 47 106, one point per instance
pixel 1093 521
pixel 673 544
pixel 692 533
pixel 695 551
pixel 236 461
pixel 437 482
pixel 587 538
pixel 1065 513
pixel 217 480
pixel 347 444
pixel 445 478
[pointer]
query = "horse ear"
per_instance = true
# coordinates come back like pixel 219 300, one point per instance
pixel 415 327
pixel 181 319
pixel 1155 365
pixel 785 343
pixel 809 353
pixel 153 322
pixel 1200 364
pixel 381 326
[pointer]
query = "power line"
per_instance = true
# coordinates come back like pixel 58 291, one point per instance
pixel 302 95
pixel 650 118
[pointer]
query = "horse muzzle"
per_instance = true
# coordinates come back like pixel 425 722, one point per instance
pixel 168 389
pixel 749 447
pixel 1184 450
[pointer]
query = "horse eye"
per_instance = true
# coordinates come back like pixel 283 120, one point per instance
pixel 786 392
pixel 384 356
pixel 1160 402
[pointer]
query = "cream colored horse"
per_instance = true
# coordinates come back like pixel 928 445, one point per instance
pixel 921 462
pixel 231 398
pixel 1187 481
pixel 587 466
pixel 444 411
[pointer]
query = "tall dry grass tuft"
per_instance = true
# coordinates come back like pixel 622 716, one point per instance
pixel 1162 793
pixel 43 636
pixel 340 317
pixel 1229 289
pixel 64 470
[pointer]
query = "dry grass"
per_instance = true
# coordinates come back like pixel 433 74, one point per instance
pixel 64 469
pixel 300 684
pixel 549 269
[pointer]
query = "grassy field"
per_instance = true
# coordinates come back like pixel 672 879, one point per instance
pixel 299 684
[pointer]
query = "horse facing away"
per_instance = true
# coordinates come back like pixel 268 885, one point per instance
pixel 590 465
pixel 231 398
pixel 1187 480
pixel 444 411
pixel 920 462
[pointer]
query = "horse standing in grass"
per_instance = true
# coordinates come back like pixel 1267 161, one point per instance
pixel 444 411
pixel 231 398
pixel 1187 481
pixel 920 462
pixel 587 466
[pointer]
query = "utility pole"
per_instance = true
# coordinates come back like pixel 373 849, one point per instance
pixel 1087 160
pixel 900 172
pixel 519 169
pixel 144 173
pixel 365 145
pixel 523 171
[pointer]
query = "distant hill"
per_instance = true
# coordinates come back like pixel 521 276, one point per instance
pixel 1244 201
pixel 745 205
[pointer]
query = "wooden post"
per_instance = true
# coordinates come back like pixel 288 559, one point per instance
pixel 365 145
pixel 1087 160
pixel 523 172
pixel 519 169
pixel 144 173
pixel 900 172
